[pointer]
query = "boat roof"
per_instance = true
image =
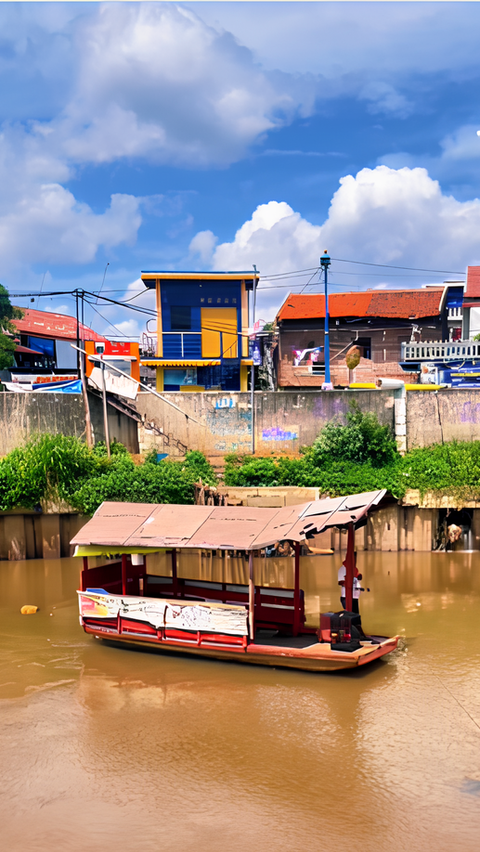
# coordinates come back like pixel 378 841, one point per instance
pixel 147 526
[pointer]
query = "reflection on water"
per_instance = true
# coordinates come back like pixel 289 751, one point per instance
pixel 108 746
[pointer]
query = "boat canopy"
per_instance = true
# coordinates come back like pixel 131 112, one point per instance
pixel 143 527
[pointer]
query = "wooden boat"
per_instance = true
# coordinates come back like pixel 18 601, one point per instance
pixel 126 600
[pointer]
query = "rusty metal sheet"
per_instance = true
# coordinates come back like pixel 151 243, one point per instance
pixel 280 527
pixel 232 527
pixel 218 527
pixel 339 511
pixel 170 526
pixel 113 523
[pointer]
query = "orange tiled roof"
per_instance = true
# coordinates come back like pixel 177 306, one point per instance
pixel 58 326
pixel 409 304
pixel 473 282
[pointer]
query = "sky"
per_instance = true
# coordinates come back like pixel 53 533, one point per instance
pixel 223 135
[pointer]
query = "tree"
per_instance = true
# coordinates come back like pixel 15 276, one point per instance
pixel 7 329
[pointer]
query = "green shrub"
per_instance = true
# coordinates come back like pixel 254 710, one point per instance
pixel 57 466
pixel 168 482
pixel 362 439
pixel 47 466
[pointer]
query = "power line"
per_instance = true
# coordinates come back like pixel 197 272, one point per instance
pixel 390 266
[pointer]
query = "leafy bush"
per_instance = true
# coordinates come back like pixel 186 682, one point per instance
pixel 168 482
pixel 200 467
pixel 47 466
pixel 57 466
pixel 452 467
pixel 362 439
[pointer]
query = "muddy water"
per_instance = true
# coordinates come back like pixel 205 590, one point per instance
pixel 104 748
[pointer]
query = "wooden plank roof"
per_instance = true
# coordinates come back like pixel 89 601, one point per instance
pixel 144 525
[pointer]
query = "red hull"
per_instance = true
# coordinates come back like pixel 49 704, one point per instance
pixel 317 656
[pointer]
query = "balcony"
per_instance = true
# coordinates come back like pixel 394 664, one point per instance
pixel 182 344
pixel 437 351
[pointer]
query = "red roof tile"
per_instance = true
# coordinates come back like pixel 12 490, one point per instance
pixel 406 304
pixel 299 306
pixel 409 304
pixel 473 282
pixel 58 326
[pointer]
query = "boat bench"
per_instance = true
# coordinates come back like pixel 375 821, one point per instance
pixel 273 607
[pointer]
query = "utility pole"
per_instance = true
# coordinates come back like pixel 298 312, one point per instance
pixel 78 331
pixel 325 263
pixel 105 410
pixel 252 374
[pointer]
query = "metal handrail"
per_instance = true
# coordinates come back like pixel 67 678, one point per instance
pixel 432 350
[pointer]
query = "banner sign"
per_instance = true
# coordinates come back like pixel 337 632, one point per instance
pixel 114 383
pixel 160 613
pixel 256 352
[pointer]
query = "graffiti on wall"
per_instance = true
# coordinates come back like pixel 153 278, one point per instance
pixel 470 412
pixel 225 402
pixel 275 434
pixel 300 355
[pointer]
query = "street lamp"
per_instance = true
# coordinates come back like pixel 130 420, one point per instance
pixel 325 263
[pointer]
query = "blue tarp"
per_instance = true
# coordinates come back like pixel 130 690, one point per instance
pixel 59 387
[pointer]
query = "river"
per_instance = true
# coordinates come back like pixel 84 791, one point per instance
pixel 105 748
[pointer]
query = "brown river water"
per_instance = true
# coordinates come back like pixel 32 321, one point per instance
pixel 105 748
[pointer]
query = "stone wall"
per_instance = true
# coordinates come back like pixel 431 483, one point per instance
pixel 284 421
pixel 434 417
pixel 23 414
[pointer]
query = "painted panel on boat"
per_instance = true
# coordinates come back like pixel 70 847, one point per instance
pixel 214 618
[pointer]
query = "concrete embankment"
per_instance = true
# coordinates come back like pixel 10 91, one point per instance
pixel 396 527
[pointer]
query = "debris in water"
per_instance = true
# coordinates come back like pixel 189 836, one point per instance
pixel 29 609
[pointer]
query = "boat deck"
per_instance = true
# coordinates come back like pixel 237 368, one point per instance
pixel 272 637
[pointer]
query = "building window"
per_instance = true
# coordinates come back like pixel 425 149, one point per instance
pixel 175 379
pixel 180 318
pixel 42 344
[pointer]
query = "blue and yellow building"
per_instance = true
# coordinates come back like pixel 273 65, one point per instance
pixel 202 329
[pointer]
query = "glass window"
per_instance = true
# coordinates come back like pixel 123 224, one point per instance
pixel 40 344
pixel 174 379
pixel 180 317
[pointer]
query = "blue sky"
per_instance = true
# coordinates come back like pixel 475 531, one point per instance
pixel 218 135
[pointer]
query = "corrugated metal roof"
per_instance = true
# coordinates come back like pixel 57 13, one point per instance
pixel 405 304
pixel 46 324
pixel 218 527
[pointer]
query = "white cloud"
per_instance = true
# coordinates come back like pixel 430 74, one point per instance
pixel 202 246
pixel 463 144
pixel 383 98
pixel 50 226
pixel 128 328
pixel 155 81
pixel 381 215
pixel 344 39
pixel 276 238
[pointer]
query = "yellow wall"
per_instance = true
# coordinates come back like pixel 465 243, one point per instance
pixel 244 320
pixel 244 377
pixel 214 321
pixel 159 379
pixel 159 323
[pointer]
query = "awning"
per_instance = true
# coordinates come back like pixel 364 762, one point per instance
pixel 147 526
pixel 25 350
pixel 92 550
pixel 160 362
